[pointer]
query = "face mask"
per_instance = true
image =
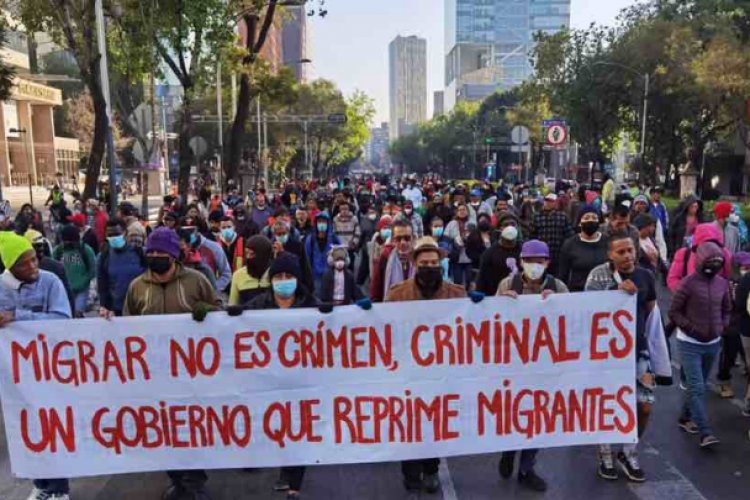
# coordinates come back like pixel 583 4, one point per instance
pixel 339 265
pixel 158 264
pixel 437 232
pixel 429 279
pixel 283 238
pixel 744 271
pixel 712 267
pixel 385 233
pixel 510 233
pixel 285 288
pixel 372 216
pixel 734 219
pixel 408 211
pixel 484 226
pixel 228 234
pixel 116 242
pixel 533 271
pixel 322 228
pixel 589 228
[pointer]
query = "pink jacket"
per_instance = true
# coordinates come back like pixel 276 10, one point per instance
pixel 703 233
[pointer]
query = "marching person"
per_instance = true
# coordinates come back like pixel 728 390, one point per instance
pixel 167 287
pixel 118 264
pixel 338 287
pixel 28 293
pixel 534 280
pixel 584 251
pixel 80 266
pixel 426 284
pixel 552 227
pixel 503 258
pixel 252 279
pixel 395 264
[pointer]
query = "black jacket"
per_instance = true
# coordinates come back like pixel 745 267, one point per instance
pixel 493 267
pixel 352 292
pixel 302 298
pixel 740 318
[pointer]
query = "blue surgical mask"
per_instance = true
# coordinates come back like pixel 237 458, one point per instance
pixel 285 288
pixel 322 227
pixel 283 238
pixel 437 232
pixel 228 234
pixel 385 233
pixel 116 242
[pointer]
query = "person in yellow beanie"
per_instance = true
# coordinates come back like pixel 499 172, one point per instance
pixel 28 293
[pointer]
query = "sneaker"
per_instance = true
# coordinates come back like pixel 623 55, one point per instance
pixel 431 483
pixel 709 440
pixel 688 426
pixel 37 494
pixel 682 385
pixel 292 495
pixel 181 493
pixel 532 481
pixel 505 466
pixel 630 466
pixel 726 391
pixel 606 468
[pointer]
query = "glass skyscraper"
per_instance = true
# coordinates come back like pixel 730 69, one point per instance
pixel 488 43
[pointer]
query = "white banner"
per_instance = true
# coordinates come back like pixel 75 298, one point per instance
pixel 270 388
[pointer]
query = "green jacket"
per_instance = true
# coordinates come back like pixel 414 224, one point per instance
pixel 79 263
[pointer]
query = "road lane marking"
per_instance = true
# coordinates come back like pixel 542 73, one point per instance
pixel 681 487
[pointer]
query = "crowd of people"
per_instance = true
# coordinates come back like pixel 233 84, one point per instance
pixel 323 244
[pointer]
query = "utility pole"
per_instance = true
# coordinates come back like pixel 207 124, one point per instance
pixel 219 112
pixel 260 136
pixel 645 115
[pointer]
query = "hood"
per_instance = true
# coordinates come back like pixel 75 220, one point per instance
pixel 708 232
pixel 689 200
pixel 737 209
pixel 707 251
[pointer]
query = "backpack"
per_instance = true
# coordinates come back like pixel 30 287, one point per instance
pixel 550 283
pixel 59 253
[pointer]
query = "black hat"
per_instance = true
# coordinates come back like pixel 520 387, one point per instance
pixel 287 263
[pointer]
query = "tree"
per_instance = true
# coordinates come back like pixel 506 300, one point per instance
pixel 6 72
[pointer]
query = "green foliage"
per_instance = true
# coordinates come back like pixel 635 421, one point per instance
pixel 6 72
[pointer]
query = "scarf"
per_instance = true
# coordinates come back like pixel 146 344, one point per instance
pixel 394 272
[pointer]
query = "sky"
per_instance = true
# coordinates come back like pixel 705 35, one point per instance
pixel 350 45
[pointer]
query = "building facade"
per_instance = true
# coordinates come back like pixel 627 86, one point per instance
pixel 30 152
pixel 408 84
pixel 487 43
pixel 377 149
pixel 294 42
pixel 438 103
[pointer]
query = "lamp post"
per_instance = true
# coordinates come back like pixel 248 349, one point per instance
pixel 104 77
pixel 646 82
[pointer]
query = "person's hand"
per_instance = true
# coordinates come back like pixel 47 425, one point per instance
pixel 510 293
pixel 546 294
pixel 278 247
pixel 235 310
pixel 325 308
pixel 200 311
pixel 6 317
pixel 106 313
pixel 476 297
pixel 628 286
pixel 365 304
pixel 459 241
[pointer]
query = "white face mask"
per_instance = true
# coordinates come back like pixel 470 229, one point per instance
pixel 533 271
pixel 510 233
pixel 734 219
pixel 339 265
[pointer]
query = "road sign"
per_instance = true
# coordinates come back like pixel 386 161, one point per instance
pixel 517 148
pixel 519 135
pixel 557 135
pixel 553 122
pixel 337 118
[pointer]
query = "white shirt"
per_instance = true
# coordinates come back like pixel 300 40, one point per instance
pixel 338 286
pixel 414 195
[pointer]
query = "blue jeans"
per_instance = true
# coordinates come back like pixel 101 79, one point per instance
pixel 462 274
pixel 697 361
pixel 81 301
pixel 53 486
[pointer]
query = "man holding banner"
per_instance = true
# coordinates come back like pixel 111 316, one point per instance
pixel 28 294
pixel 169 288
pixel 427 284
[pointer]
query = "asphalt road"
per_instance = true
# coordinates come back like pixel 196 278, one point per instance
pixel 675 466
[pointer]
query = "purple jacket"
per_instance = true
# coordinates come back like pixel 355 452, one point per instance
pixel 701 306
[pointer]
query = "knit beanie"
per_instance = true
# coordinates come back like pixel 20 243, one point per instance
pixel 70 233
pixel 12 247
pixel 287 263
pixel 164 240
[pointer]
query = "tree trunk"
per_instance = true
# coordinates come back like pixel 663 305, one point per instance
pixel 99 141
pixel 186 155
pixel 232 161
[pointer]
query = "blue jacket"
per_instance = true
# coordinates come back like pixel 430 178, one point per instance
pixel 115 270
pixel 659 211
pixel 44 299
pixel 319 257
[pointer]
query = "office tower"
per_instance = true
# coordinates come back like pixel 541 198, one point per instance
pixel 408 84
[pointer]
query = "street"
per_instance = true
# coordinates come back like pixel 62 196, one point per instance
pixel 675 467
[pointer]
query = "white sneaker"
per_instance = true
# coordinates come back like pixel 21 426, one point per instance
pixel 37 494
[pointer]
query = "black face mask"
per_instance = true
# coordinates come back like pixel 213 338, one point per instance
pixel 484 226
pixel 589 228
pixel 712 267
pixel 429 280
pixel 158 264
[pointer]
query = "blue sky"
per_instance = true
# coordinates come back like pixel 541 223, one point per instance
pixel 350 46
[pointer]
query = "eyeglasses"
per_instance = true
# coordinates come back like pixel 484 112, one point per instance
pixel 402 238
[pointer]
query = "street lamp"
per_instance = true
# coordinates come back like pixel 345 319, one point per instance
pixel 646 79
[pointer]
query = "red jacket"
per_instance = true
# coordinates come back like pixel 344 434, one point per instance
pixel 100 225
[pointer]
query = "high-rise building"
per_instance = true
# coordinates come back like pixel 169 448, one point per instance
pixel 294 42
pixel 377 149
pixel 487 43
pixel 438 103
pixel 408 84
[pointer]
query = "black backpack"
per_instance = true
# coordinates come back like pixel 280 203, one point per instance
pixel 550 283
